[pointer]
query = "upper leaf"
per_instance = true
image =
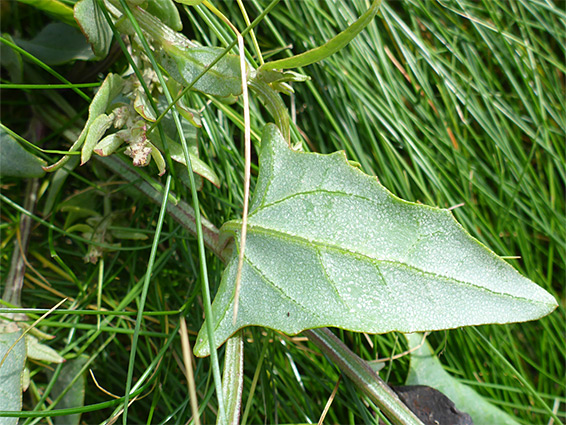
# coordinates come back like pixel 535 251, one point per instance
pixel 327 245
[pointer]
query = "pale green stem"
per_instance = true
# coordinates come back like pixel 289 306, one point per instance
pixel 233 378
pixel 274 104
pixel 363 376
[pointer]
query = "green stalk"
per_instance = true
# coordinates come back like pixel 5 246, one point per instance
pixel 233 378
pixel 363 376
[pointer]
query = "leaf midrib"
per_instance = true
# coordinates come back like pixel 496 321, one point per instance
pixel 318 245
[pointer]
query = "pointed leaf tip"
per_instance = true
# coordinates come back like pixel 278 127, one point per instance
pixel 327 245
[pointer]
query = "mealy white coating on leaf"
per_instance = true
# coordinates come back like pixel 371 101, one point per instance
pixel 328 245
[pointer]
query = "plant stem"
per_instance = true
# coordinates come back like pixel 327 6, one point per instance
pixel 233 378
pixel 363 376
pixel 180 211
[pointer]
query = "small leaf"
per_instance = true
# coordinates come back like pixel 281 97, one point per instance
pixel 274 76
pixel 143 107
pixel 108 145
pixel 167 12
pixel 158 158
pixel 330 47
pixel 111 87
pixel 199 166
pixel 184 64
pixel 15 161
pixel 81 227
pixel 38 351
pixel 94 26
pixel 47 46
pixel 95 132
pixel 327 245
pixel 426 369
pixel 11 373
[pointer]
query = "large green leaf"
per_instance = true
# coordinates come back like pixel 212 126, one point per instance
pixel 328 245
pixel 426 369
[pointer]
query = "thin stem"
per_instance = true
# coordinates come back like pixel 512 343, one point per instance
pixel 233 378
pixel 247 166
pixel 189 374
pixel 252 33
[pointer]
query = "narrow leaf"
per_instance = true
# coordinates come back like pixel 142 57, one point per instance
pixel 95 132
pixel 327 245
pixel 190 2
pixel 38 351
pixel 330 47
pixel 426 369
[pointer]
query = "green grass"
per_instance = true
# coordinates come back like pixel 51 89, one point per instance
pixel 446 102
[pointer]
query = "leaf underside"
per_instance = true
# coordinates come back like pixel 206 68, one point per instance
pixel 328 245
